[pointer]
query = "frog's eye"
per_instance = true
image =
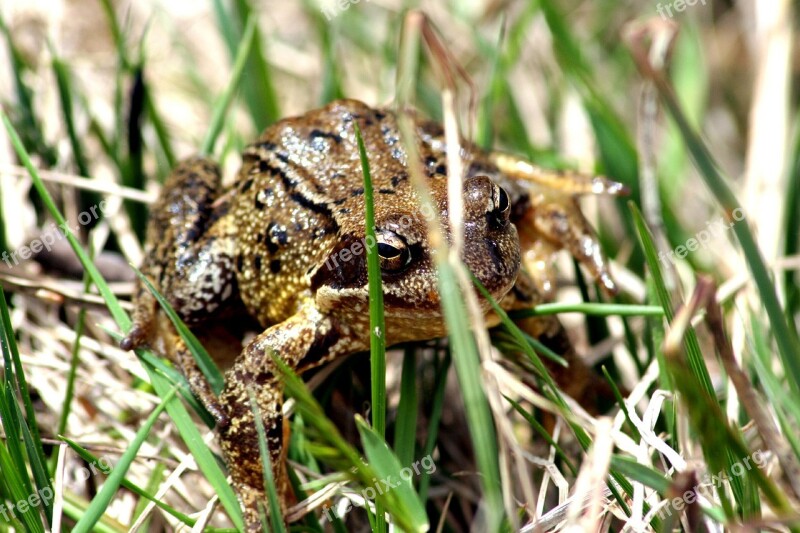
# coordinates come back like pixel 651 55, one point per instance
pixel 501 206
pixel 393 251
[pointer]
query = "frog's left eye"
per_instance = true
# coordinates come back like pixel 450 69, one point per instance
pixel 393 251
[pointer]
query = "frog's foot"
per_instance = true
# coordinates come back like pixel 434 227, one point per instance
pixel 144 320
pixel 566 182
pixel 559 222
pixel 136 338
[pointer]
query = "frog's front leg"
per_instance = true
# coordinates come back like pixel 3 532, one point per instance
pixel 307 339
pixel 549 218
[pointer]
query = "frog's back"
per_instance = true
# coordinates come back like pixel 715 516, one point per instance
pixel 300 193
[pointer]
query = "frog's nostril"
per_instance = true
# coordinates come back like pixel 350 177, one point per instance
pixel 478 191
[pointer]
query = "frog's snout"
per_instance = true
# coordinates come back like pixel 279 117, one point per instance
pixel 491 245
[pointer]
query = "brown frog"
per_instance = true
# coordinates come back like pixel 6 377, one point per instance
pixel 284 245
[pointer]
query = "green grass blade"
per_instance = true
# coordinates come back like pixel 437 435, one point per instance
pixel 12 422
pixel 405 431
pixel 30 127
pixel 178 414
pixel 435 416
pixel 69 393
pixel 120 317
pixel 785 334
pixel 339 453
pixel 543 433
pixel 30 429
pixel 331 72
pixel 154 480
pixel 224 101
pixel 38 464
pixel 389 471
pixel 65 96
pixel 377 325
pixel 692 346
pixel 162 134
pixel 15 487
pixel 257 87
pixel 468 370
pixel 593 309
pixel 198 448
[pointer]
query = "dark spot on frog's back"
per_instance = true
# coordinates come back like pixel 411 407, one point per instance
pixel 276 237
pixel 267 146
pixel 275 266
pixel 331 226
pixel 316 133
pixel 434 166
pixel 277 233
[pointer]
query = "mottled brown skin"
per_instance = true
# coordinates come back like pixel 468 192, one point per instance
pixel 274 247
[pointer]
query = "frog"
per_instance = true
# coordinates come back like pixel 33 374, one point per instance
pixel 283 246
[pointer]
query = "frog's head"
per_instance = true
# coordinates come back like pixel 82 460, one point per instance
pixel 491 252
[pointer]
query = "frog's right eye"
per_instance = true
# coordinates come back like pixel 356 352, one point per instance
pixel 393 251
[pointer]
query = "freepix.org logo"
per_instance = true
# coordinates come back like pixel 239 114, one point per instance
pixel 48 238
pixel 382 486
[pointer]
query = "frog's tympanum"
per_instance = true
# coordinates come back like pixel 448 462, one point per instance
pixel 284 246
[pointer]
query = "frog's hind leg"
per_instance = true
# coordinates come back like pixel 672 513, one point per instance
pixel 189 261
pixel 177 222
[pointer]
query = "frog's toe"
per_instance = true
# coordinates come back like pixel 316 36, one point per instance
pixel 136 338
